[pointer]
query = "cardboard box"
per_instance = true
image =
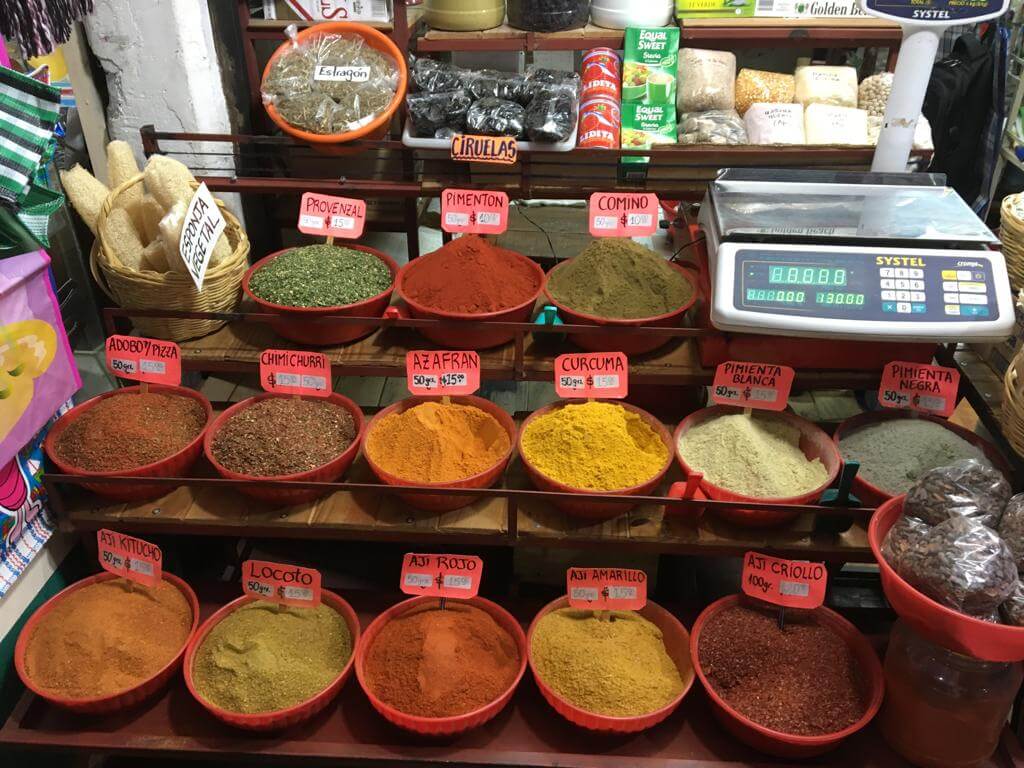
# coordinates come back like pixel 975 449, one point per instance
pixel 649 70
pixel 328 10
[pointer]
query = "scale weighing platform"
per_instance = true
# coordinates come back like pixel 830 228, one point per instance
pixel 858 256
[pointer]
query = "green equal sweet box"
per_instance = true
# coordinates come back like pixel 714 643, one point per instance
pixel 650 62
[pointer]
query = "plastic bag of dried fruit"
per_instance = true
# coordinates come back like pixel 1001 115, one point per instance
pixel 1011 528
pixel 968 488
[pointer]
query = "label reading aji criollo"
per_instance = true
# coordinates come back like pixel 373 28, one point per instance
pixel 789 583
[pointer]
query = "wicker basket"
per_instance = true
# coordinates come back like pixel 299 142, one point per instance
pixel 132 289
pixel 1011 233
pixel 1012 414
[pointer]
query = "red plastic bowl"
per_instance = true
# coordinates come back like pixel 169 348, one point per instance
pixel 441 726
pixel 950 629
pixel 871 495
pixel 787 745
pixel 326 473
pixel 119 701
pixel 281 718
pixel 475 335
pixel 294 323
pixel 677 644
pixel 584 508
pixel 630 344
pixel 485 479
pixel 176 465
pixel 813 442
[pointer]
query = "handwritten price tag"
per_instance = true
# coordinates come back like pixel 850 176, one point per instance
pixel 789 583
pixel 753 385
pixel 455 576
pixel 593 374
pixel 442 373
pixel 606 589
pixel 283 584
pixel 623 214
pixel 295 373
pixel 502 150
pixel 203 226
pixel 129 557
pixel 919 387
pixel 473 211
pixel 330 216
pixel 148 360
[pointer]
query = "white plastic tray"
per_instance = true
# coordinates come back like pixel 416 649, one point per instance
pixel 527 146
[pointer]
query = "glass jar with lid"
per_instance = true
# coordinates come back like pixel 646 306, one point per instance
pixel 464 15
pixel 548 15
pixel 943 709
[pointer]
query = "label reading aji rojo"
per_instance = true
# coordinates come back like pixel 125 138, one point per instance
pixel 455 576
pixel 283 584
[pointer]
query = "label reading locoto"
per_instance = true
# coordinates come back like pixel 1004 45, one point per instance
pixel 623 214
pixel 130 557
pixel 200 231
pixel 753 385
pixel 455 576
pixel 503 150
pixel 920 387
pixel 592 374
pixel 289 372
pixel 474 211
pixel 442 373
pixel 789 583
pixel 151 361
pixel 283 584
pixel 330 216
pixel 606 589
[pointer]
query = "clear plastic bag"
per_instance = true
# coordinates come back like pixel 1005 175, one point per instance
pixel 775 124
pixel 1012 610
pixel 430 76
pixel 829 125
pixel 1011 528
pixel 967 488
pixel 433 112
pixel 905 535
pixel 552 113
pixel 873 93
pixel 815 84
pixel 754 86
pixel 716 126
pixel 489 83
pixel 707 81
pixel 496 117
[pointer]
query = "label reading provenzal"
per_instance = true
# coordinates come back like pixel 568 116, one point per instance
pixel 455 576
pixel 203 226
pixel 753 385
pixel 474 211
pixel 283 584
pixel 152 361
pixel 592 374
pixel 919 387
pixel 442 373
pixel 623 214
pixel 289 372
pixel 789 583
pixel 129 557
pixel 606 589
pixel 330 216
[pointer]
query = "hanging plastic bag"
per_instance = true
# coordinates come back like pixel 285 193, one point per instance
pixel 717 126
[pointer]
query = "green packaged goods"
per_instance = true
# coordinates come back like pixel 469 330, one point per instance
pixel 893 454
pixel 321 276
pixel 757 456
pixel 263 657
pixel 714 9
pixel 645 125
pixel 610 665
pixel 618 279
pixel 649 64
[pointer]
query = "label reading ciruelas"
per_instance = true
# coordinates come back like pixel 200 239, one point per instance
pixel 455 576
pixel 284 584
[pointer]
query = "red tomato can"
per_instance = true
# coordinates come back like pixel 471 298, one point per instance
pixel 601 75
pixel 600 124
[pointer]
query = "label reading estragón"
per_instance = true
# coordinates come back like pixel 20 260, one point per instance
pixel 341 73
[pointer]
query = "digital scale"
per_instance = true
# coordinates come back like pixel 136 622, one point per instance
pixel 855 256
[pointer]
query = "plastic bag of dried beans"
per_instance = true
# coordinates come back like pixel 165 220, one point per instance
pixel 968 488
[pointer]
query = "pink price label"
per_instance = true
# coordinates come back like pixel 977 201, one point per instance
pixel 455 576
pixel 129 557
pixel 928 388
pixel 474 211
pixel 606 589
pixel 789 583
pixel 623 214
pixel 282 584
pixel 592 374
pixel 289 372
pixel 442 373
pixel 151 361
pixel 753 385
pixel 330 216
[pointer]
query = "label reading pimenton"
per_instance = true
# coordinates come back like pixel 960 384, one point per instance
pixel 290 372
pixel 283 584
pixel 129 557
pixel 330 216
pixel 152 361
pixel 789 583
pixel 502 150
pixel 474 211
pixel 606 589
pixel 919 387
pixel 592 374
pixel 455 576
pixel 623 214
pixel 442 373
pixel 753 385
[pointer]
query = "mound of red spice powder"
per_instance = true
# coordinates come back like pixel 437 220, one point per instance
pixel 435 663
pixel 801 680
pixel 469 275
pixel 130 430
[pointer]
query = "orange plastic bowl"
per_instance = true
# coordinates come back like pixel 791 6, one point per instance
pixel 585 508
pixel 950 629
pixel 441 726
pixel 630 344
pixel 871 495
pixel 281 718
pixel 294 323
pixel 117 702
pixel 815 444
pixel 677 644
pixel 473 335
pixel 377 127
pixel 176 465
pixel 485 479
pixel 325 473
pixel 777 743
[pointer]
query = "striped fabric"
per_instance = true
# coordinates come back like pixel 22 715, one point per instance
pixel 28 114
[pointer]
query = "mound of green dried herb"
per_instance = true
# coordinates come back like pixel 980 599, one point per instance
pixel 321 276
